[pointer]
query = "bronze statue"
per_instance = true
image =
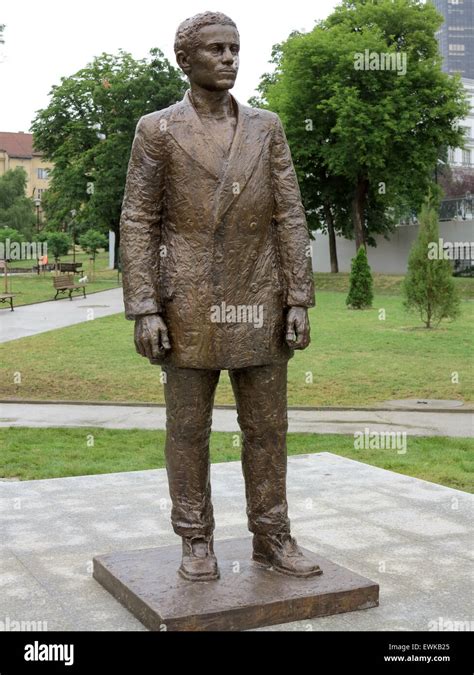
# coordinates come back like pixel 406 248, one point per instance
pixel 217 275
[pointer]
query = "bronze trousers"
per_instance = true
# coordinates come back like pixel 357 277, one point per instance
pixel 260 394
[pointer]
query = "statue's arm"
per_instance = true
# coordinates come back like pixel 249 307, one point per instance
pixel 140 236
pixel 293 241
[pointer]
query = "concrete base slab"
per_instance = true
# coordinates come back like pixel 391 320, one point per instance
pixel 246 596
pixel 412 537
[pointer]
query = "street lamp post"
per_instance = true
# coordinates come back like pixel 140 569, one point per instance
pixel 37 204
pixel 73 223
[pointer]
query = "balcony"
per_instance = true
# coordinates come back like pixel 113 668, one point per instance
pixel 457 208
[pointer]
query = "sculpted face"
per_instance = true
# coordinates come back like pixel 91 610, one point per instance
pixel 214 63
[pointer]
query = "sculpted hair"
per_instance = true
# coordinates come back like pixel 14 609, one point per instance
pixel 186 35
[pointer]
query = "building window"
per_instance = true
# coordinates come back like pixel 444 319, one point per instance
pixel 466 157
pixel 43 174
pixel 451 155
pixel 40 192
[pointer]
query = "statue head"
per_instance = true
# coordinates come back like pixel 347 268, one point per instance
pixel 207 50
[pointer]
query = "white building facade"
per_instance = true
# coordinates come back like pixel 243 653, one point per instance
pixel 391 256
pixel 464 157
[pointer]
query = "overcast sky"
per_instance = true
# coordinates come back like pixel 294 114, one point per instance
pixel 50 39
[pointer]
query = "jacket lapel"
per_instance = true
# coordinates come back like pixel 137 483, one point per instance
pixel 232 173
pixel 192 137
pixel 246 149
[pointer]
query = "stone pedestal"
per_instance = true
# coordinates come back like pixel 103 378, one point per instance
pixel 246 596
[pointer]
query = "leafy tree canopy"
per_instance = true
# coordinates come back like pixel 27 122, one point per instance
pixel 16 210
pixel 365 141
pixel 87 131
pixel 91 241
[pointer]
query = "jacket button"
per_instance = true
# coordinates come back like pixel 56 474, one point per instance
pixel 253 225
pixel 218 257
pixel 254 288
pixel 254 255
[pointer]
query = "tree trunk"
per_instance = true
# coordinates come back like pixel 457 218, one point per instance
pixel 117 247
pixel 358 211
pixel 332 239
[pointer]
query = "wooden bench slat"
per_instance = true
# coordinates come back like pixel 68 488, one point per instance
pixel 65 282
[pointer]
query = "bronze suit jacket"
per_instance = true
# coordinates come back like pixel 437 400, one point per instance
pixel 211 241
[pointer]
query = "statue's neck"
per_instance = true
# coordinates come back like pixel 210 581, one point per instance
pixel 216 104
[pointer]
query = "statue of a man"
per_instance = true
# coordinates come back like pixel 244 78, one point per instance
pixel 217 275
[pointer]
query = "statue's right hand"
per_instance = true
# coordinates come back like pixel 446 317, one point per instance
pixel 151 336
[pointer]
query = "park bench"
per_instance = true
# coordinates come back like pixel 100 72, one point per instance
pixel 75 268
pixel 64 283
pixel 6 296
pixel 70 267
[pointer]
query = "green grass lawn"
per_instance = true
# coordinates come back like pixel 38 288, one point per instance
pixel 354 359
pixel 28 453
pixel 39 287
pixel 384 284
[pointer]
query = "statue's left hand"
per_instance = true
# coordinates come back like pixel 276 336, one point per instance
pixel 297 328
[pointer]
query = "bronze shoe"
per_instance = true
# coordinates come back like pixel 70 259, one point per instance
pixel 199 562
pixel 282 554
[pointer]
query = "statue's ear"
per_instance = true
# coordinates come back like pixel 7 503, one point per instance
pixel 183 61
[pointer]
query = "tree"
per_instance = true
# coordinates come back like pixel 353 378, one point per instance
pixel 87 132
pixel 369 134
pixel 428 286
pixel 9 233
pixel 91 242
pixel 361 285
pixel 16 210
pixel 58 244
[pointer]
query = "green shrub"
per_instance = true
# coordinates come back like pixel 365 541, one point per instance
pixel 361 284
pixel 429 287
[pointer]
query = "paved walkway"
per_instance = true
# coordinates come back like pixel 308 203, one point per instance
pixel 316 421
pixel 45 316
pixel 410 536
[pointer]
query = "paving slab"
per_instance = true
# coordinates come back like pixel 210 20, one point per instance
pixel 41 317
pixel 412 537
pixel 459 424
